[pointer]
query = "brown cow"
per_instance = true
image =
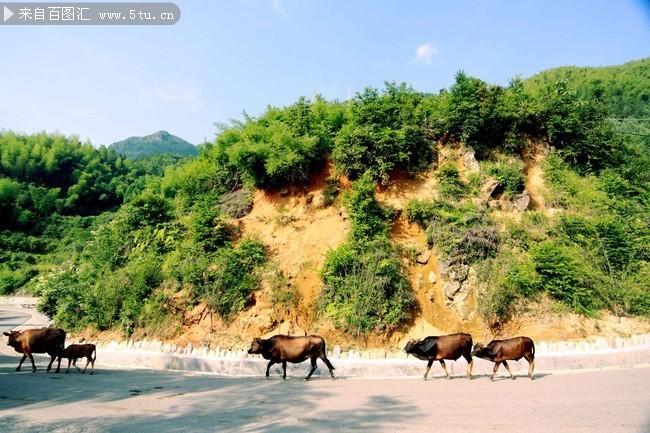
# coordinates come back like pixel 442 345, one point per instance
pixel 500 351
pixel 76 351
pixel 284 348
pixel 440 348
pixel 43 340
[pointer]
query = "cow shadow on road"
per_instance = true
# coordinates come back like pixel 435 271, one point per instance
pixel 501 377
pixel 149 400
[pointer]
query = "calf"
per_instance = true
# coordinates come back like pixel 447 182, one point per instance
pixel 440 348
pixel 500 351
pixel 76 351
pixel 284 348
pixel 49 340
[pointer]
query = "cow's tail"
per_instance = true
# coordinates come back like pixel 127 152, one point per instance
pixel 533 347
pixel 323 356
pixel 94 354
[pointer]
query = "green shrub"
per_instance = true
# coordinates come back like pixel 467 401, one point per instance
pixel 365 290
pixel 283 217
pixel 332 189
pixel 208 229
pixel 236 204
pixel 510 177
pixel 563 276
pixel 385 131
pixel 285 297
pixel 450 184
pixel 369 219
pixel 506 280
pixel 226 285
pixel 420 211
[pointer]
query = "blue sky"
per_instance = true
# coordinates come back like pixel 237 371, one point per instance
pixel 107 83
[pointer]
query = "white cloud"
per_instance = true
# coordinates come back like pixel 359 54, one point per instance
pixel 381 65
pixel 278 7
pixel 425 52
pixel 183 94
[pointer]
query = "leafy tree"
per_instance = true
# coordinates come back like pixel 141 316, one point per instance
pixel 365 289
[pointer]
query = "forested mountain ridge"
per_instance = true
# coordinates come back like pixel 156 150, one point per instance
pixel 503 197
pixel 627 86
pixel 159 142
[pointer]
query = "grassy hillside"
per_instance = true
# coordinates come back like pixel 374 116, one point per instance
pixel 358 220
pixel 159 142
pixel 627 87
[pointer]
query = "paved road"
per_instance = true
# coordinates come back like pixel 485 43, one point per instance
pixel 115 400
pixel 155 401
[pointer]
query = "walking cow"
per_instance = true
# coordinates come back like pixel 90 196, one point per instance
pixel 43 340
pixel 440 348
pixel 285 348
pixel 76 351
pixel 500 351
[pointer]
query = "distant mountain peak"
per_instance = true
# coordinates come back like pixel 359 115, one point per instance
pixel 158 142
pixel 160 135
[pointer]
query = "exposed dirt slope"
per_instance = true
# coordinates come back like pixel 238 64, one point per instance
pixel 299 230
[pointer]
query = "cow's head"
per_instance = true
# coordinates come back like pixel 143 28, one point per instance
pixel 410 346
pixel 12 338
pixel 480 351
pixel 256 346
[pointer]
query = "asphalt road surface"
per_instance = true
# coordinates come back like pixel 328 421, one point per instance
pixel 117 400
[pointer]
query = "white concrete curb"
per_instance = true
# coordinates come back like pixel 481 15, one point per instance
pixel 549 357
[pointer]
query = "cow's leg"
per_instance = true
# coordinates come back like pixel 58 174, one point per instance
pixel 92 366
pixel 313 367
pixel 87 362
pixel 58 366
pixel 531 366
pixel 496 367
pixel 470 364
pixel 284 370
pixel 31 358
pixel 49 366
pixel 69 362
pixel 76 366
pixel 21 362
pixel 505 363
pixel 429 364
pixel 268 367
pixel 442 362
pixel 327 362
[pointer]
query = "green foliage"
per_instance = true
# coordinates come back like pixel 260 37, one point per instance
pixel 507 279
pixel 332 190
pixel 509 175
pixel 236 204
pixel 146 210
pixel 122 239
pixel 369 219
pixel 420 211
pixel 450 184
pixel 365 289
pixel 578 129
pixel 58 174
pixel 563 275
pixel 209 230
pixel 282 146
pixel 283 217
pixel 461 232
pixel 285 297
pixel 385 131
pixel 161 142
pixel 485 117
pixel 228 284
pixel 626 86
